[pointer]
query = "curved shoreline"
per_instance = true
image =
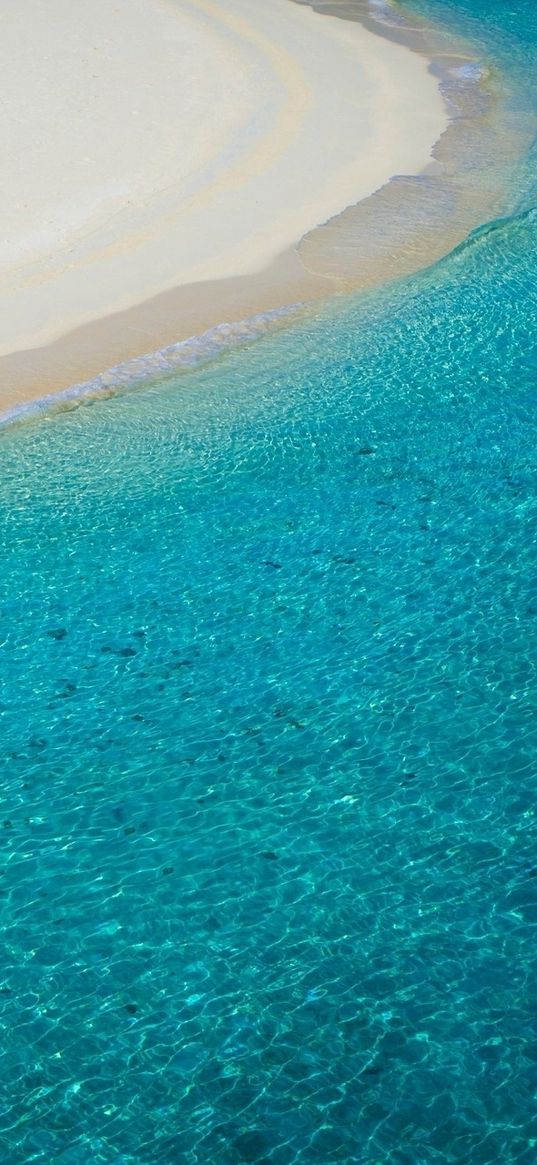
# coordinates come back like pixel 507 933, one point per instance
pixel 415 220
pixel 406 225
pixel 248 126
pixel 139 371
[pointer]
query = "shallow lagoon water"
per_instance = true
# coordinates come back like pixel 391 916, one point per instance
pixel 268 709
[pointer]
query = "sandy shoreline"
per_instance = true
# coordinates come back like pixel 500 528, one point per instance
pixel 166 156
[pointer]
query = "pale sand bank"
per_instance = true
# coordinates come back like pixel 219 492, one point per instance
pixel 163 156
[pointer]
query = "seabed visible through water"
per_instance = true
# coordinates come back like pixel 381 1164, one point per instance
pixel 268 738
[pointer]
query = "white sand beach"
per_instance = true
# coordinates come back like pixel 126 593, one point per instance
pixel 151 145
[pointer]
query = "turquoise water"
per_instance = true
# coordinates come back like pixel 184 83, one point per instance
pixel 268 709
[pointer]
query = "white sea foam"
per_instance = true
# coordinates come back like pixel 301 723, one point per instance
pixel 143 369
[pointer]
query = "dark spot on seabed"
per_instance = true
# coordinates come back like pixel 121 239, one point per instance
pixel 131 1008
pixel 168 869
pixel 365 451
pixel 270 856
pixel 251 1146
pixel 127 652
pixel 274 565
pixel 57 633
pixel 408 777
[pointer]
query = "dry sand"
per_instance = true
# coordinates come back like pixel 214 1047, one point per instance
pixel 161 158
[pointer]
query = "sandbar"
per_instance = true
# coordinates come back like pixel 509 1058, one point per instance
pixel 162 158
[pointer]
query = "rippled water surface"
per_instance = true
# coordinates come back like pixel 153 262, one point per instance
pixel 268 711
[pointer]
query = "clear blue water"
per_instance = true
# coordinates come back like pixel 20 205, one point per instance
pixel 268 709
